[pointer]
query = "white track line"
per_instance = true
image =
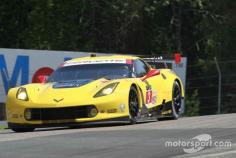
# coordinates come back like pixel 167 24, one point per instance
pixel 216 154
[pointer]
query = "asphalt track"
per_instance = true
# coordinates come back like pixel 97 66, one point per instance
pixel 143 140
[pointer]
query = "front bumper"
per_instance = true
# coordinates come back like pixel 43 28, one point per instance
pixel 124 119
pixel 107 108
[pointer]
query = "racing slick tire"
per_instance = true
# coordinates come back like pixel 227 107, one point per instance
pixel 133 105
pixel 20 128
pixel 176 101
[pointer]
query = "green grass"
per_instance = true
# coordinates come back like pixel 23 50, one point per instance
pixel 3 127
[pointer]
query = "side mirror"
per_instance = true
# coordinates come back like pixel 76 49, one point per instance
pixel 42 78
pixel 152 72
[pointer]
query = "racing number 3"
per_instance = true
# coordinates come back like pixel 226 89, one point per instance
pixel 149 96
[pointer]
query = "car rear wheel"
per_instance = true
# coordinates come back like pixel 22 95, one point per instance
pixel 133 105
pixel 20 128
pixel 176 100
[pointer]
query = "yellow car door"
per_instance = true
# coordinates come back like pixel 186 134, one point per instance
pixel 153 87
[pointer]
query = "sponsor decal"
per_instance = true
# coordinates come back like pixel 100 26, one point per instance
pixel 111 111
pixel 166 112
pixel 71 84
pixel 122 107
pixel 103 61
pixel 129 61
pixel 154 97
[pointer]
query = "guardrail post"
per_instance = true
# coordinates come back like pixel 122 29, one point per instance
pixel 219 86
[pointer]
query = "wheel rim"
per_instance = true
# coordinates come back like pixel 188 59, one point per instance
pixel 177 99
pixel 133 104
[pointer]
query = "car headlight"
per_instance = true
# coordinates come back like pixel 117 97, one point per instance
pixel 107 90
pixel 22 94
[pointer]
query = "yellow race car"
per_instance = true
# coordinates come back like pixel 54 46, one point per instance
pixel 90 89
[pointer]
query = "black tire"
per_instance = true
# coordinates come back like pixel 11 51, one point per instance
pixel 176 100
pixel 20 128
pixel 133 105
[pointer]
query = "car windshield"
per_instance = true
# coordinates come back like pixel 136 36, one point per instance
pixel 90 72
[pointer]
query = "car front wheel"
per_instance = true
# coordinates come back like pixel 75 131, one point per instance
pixel 176 100
pixel 133 105
pixel 20 128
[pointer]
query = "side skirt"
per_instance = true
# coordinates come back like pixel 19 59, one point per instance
pixel 159 111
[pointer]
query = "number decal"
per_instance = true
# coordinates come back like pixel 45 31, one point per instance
pixel 149 96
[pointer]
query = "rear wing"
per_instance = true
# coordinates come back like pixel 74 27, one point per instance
pixel 162 61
